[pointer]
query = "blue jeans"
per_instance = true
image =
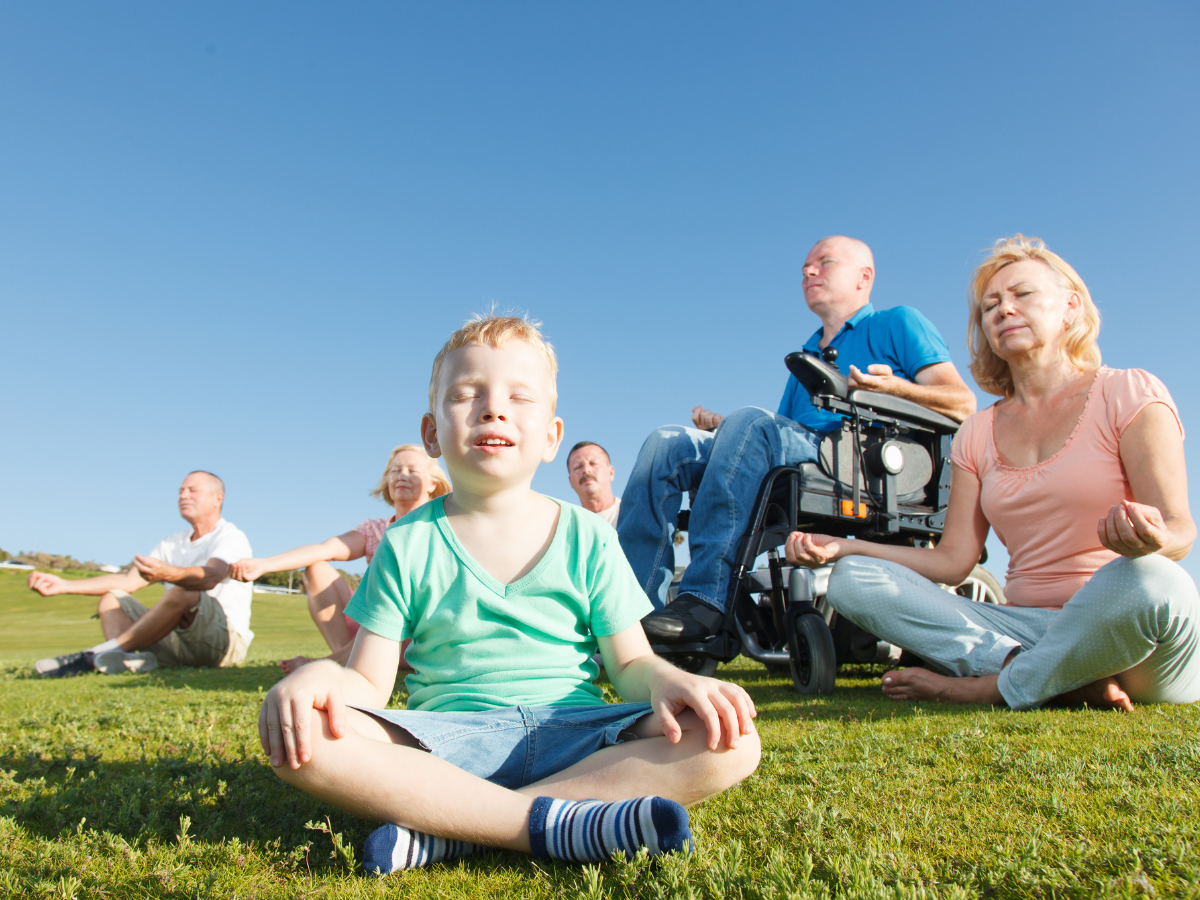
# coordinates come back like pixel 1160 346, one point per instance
pixel 725 469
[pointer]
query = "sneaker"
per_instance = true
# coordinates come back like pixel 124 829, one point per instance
pixel 63 666
pixel 686 619
pixel 117 662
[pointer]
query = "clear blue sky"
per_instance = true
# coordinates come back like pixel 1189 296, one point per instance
pixel 232 236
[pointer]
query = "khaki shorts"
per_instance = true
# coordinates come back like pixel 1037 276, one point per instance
pixel 208 642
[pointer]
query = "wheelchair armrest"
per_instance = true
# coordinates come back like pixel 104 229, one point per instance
pixel 823 380
pixel 816 375
pixel 904 409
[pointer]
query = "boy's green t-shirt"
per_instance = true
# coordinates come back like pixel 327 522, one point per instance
pixel 478 644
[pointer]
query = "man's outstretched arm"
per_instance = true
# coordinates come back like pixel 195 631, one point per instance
pixel 48 585
pixel 938 387
pixel 192 578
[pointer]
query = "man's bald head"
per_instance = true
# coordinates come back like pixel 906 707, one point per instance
pixel 849 248
pixel 839 273
pixel 215 484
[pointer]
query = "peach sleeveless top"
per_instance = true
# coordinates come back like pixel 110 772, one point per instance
pixel 1046 514
pixel 372 531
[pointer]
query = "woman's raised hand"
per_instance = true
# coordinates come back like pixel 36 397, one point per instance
pixel 1133 529
pixel 811 550
pixel 246 570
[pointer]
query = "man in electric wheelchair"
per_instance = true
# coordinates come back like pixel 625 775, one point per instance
pixel 884 475
pixel 916 399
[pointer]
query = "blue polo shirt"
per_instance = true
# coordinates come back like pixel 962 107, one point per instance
pixel 899 337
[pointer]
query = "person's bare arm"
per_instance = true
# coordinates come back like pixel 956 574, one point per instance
pixel 1157 520
pixel 938 387
pixel 192 578
pixel 948 563
pixel 706 419
pixel 48 585
pixel 351 545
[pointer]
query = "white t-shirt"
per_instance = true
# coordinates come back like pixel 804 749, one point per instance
pixel 225 542
pixel 610 515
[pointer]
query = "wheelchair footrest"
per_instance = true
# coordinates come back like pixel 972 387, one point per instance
pixel 723 647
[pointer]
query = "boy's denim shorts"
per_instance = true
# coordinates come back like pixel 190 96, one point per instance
pixel 522 744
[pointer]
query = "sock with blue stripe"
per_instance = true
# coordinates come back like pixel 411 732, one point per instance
pixel 392 847
pixel 590 830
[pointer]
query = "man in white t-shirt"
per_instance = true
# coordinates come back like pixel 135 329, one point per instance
pixel 591 473
pixel 203 618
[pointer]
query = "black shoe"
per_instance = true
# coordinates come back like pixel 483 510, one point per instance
pixel 685 620
pixel 62 666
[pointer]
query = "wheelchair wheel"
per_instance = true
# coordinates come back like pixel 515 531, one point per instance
pixel 813 664
pixel 697 665
pixel 981 586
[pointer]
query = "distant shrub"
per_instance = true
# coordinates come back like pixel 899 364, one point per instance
pixel 55 561
pixel 4 557
pixel 280 579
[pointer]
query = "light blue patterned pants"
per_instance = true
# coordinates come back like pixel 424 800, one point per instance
pixel 1135 619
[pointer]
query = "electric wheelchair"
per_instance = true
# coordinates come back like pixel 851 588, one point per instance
pixel 884 476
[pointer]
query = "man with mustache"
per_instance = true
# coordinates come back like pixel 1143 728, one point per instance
pixel 591 473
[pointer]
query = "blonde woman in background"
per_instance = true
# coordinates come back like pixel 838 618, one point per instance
pixel 410 479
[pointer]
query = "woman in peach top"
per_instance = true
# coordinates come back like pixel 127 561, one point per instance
pixel 409 479
pixel 1079 468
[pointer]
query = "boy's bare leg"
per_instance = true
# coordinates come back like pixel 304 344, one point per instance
pixel 174 610
pixel 377 773
pixel 687 772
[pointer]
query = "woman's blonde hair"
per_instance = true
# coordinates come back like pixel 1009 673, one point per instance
pixel 441 484
pixel 990 371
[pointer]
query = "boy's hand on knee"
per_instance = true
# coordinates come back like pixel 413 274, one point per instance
pixel 288 714
pixel 725 709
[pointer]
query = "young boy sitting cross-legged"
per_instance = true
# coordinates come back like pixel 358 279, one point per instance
pixel 506 595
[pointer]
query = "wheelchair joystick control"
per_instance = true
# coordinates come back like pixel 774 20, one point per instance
pixel 830 355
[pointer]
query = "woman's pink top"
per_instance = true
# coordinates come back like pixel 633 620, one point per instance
pixel 1046 514
pixel 372 531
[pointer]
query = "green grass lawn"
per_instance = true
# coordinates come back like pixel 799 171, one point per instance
pixel 154 786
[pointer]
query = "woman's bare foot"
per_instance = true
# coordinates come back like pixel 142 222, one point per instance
pixel 291 665
pixel 1103 694
pixel 921 684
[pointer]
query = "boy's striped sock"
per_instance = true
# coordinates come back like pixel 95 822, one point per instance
pixel 590 830
pixel 392 847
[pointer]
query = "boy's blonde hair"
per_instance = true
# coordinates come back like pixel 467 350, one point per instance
pixel 492 330
pixel 441 483
pixel 990 371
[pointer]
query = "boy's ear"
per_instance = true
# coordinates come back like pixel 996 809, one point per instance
pixel 429 436
pixel 554 436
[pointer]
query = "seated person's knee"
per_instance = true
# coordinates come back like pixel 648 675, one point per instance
pixel 724 767
pixel 845 581
pixel 108 602
pixel 180 598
